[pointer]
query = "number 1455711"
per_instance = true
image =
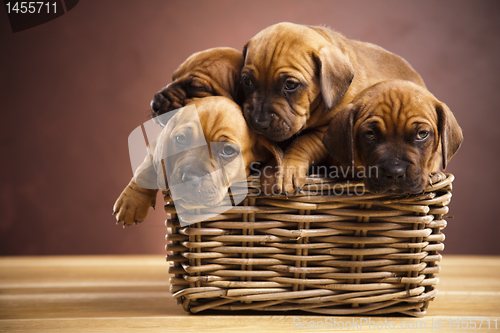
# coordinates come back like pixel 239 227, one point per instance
pixel 31 7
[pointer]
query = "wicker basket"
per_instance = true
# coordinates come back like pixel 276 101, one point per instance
pixel 317 251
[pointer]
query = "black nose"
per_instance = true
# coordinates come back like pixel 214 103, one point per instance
pixel 394 171
pixel 157 102
pixel 262 121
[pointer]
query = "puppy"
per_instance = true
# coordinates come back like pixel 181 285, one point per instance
pixel 213 72
pixel 181 151
pixel 399 128
pixel 295 78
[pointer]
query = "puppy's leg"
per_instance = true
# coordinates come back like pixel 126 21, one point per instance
pixel 133 204
pixel 298 158
pixel 270 178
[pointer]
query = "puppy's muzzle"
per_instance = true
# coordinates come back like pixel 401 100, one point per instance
pixel 393 172
pixel 391 176
pixel 195 184
pixel 267 123
pixel 157 103
pixel 260 121
pixel 169 98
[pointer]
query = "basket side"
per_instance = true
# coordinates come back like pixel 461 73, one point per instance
pixel 320 251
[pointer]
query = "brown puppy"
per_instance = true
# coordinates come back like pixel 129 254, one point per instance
pixel 295 77
pixel 213 72
pixel 181 151
pixel 395 133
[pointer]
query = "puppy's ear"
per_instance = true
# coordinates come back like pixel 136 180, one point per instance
pixel 239 94
pixel 339 137
pixel 227 82
pixel 244 52
pixel 276 151
pixel 218 90
pixel 449 131
pixel 335 74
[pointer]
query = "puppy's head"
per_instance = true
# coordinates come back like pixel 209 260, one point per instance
pixel 206 147
pixel 213 72
pixel 291 74
pixel 396 133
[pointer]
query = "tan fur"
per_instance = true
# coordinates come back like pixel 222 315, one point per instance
pixel 331 70
pixel 212 72
pixel 395 112
pixel 221 121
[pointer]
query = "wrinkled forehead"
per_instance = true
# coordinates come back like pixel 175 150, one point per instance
pixel 287 33
pixel 212 118
pixel 223 122
pixel 397 109
pixel 283 46
pixel 182 121
pixel 192 64
pixel 187 118
pixel 211 61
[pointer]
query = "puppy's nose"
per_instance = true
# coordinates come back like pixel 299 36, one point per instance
pixel 263 121
pixel 394 171
pixel 260 123
pixel 157 102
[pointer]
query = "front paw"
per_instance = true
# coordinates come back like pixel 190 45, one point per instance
pixel 133 204
pixel 294 175
pixel 271 178
pixel 288 178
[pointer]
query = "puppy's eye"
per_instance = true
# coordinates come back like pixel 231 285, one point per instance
pixel 422 135
pixel 368 136
pixel 291 85
pixel 246 81
pixel 181 139
pixel 228 151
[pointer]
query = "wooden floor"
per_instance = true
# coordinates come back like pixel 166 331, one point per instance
pixel 130 294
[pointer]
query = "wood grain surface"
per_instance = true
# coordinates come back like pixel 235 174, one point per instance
pixel 131 294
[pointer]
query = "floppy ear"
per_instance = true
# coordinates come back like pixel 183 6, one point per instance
pixel 335 74
pixel 244 52
pixel 230 88
pixel 276 151
pixel 220 90
pixel 449 131
pixel 237 92
pixel 339 137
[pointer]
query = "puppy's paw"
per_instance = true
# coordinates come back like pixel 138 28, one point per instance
pixel 271 179
pixel 294 175
pixel 133 204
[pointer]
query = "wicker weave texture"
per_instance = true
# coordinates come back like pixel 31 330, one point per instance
pixel 318 251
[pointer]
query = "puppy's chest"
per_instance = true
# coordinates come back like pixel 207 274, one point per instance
pixel 284 144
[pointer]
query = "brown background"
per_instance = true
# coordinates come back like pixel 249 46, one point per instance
pixel 74 88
